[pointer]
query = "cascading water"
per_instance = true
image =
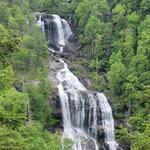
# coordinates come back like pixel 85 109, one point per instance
pixel 57 30
pixel 107 121
pixel 58 34
pixel 61 31
pixel 40 22
pixel 66 29
pixel 78 125
pixel 80 107
pixel 83 110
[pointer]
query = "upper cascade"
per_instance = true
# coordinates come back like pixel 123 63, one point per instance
pixel 57 30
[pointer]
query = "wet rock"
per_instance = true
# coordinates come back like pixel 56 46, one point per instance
pixel 54 66
pixel 54 100
pixel 88 144
pixel 124 146
pixel 56 54
pixel 87 83
pixel 118 122
pixel 100 133
pixel 18 86
pixel 56 109
pixel 101 138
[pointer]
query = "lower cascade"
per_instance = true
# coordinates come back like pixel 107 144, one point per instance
pixel 83 111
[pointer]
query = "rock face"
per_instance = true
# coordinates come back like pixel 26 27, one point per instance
pixel 18 86
pixel 54 100
pixel 56 109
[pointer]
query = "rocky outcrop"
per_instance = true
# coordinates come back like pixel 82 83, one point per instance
pixel 18 86
pixel 54 101
pixel 56 110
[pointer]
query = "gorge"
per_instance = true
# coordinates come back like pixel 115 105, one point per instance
pixel 87 115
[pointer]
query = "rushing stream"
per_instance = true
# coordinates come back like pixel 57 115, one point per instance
pixel 83 110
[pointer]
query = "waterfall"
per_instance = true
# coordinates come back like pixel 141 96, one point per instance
pixel 66 29
pixel 78 124
pixel 61 31
pixel 40 23
pixel 83 111
pixel 58 33
pixel 57 30
pixel 107 121
pixel 80 107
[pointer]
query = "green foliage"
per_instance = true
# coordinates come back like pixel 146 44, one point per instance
pixel 8 45
pixel 4 12
pixel 144 40
pixel 61 7
pixel 141 140
pixel 68 143
pixel 133 19
pixel 39 101
pixel 99 82
pixel 115 36
pixel 131 46
pixel 92 28
pixel 11 139
pixel 12 108
pixel 37 139
pixel 116 78
pixel 29 138
pixel 89 8
pixel 115 40
pixel 23 56
pixel 145 7
pixel 6 78
pixel 122 134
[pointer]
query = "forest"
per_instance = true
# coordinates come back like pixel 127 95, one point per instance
pixel 114 39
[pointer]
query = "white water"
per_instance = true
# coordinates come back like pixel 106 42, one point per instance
pixel 73 126
pixel 40 23
pixel 59 36
pixel 67 29
pixel 63 31
pixel 79 107
pixel 60 32
pixel 107 121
